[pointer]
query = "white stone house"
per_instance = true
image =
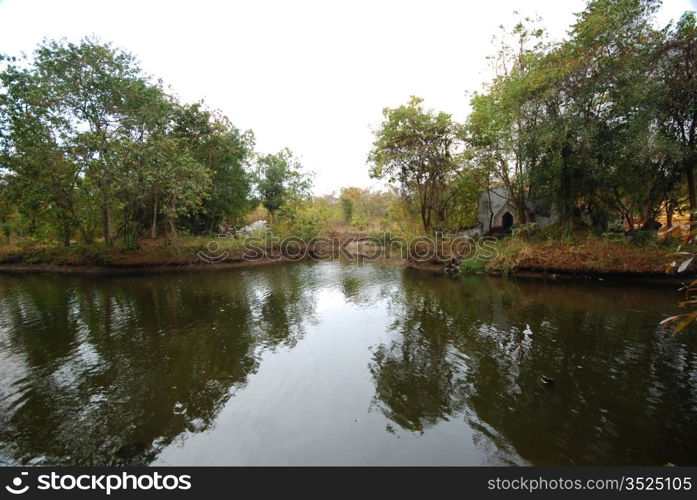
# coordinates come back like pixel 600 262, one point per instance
pixel 497 210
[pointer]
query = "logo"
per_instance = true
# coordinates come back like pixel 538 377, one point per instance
pixel 17 483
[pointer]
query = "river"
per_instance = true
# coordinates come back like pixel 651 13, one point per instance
pixel 332 363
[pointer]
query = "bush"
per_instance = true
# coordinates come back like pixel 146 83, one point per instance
pixel 613 237
pixel 525 230
pixel 307 223
pixel 359 222
pixel 509 254
pixel 642 238
pixel 472 266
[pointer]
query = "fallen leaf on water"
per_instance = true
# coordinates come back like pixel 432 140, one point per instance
pixel 670 320
pixel 684 265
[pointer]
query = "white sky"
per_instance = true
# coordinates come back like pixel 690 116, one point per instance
pixel 310 75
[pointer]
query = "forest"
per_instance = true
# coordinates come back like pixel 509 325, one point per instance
pixel 598 127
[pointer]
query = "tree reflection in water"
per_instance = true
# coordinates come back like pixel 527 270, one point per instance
pixel 93 365
pixel 125 369
pixel 624 390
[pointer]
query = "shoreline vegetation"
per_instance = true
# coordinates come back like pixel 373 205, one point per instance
pixel 582 255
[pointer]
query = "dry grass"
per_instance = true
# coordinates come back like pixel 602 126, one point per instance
pixel 585 254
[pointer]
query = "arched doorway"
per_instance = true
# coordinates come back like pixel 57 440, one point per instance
pixel 507 221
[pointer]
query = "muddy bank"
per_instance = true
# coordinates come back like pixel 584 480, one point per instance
pixel 200 266
pixel 144 264
pixel 649 278
pixel 588 260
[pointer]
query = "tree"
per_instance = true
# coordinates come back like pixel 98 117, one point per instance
pixel 502 129
pixel 577 125
pixel 604 147
pixel 676 59
pixel 280 180
pixel 349 197
pixel 90 88
pixel 416 149
pixel 34 152
pixel 226 151
pixel 81 127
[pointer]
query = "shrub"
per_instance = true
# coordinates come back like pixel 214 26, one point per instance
pixel 472 266
pixel 359 221
pixel 525 230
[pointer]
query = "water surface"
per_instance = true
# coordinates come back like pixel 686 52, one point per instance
pixel 331 363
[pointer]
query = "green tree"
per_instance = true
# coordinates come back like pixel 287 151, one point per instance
pixel 280 180
pixel 226 152
pixel 416 149
pixel 349 197
pixel 42 177
pixel 502 128
pixel 83 128
pixel 578 125
pixel 90 87
pixel 676 60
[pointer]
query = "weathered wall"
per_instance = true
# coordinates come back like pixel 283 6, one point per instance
pixel 498 202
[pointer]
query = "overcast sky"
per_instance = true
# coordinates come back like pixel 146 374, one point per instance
pixel 313 76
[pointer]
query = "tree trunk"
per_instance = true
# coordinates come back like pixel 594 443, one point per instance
pixel 173 228
pixel 153 225
pixel 690 173
pixel 66 235
pixel 425 220
pixel 170 219
pixel 491 210
pixel 521 208
pixel 106 224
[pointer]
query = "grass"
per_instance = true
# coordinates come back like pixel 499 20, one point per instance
pixel 510 253
pixel 552 249
pixel 580 252
pixel 472 266
pixel 147 253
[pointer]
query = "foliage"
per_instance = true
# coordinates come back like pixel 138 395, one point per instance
pixel 600 122
pixel 472 266
pixel 525 230
pixel 88 140
pixel 416 149
pixel 280 180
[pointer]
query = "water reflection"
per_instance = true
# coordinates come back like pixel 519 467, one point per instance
pixel 339 363
pixel 99 370
pixel 624 391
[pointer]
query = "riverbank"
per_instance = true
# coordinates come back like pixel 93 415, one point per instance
pixel 585 256
pixel 589 254
pixel 187 254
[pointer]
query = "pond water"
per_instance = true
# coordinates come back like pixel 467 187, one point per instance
pixel 334 363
